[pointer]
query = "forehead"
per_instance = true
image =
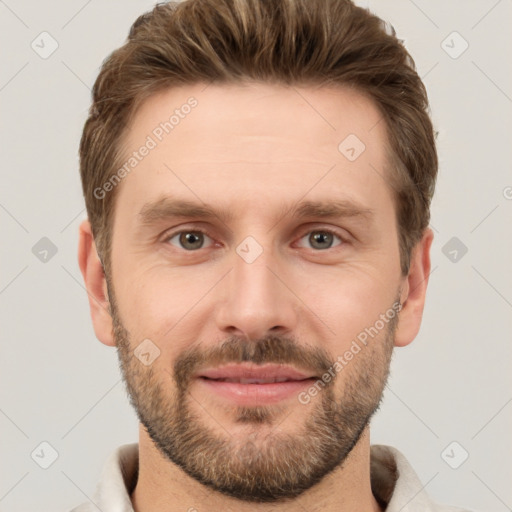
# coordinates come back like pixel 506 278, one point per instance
pixel 258 143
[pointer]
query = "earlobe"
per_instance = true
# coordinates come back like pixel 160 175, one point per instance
pixel 96 284
pixel 414 291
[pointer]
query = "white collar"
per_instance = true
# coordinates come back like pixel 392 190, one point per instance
pixel 394 482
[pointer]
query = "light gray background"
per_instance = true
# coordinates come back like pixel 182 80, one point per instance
pixel 60 385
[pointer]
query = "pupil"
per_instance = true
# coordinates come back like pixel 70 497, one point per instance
pixel 321 237
pixel 191 239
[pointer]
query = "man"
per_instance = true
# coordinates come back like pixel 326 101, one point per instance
pixel 258 178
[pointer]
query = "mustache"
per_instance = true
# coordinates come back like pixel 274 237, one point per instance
pixel 271 349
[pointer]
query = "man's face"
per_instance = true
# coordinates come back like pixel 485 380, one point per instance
pixel 258 287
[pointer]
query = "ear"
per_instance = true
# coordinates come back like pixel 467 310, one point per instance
pixel 414 289
pixel 95 283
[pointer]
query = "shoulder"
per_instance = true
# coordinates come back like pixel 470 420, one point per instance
pixel 396 484
pixel 84 507
pixel 117 480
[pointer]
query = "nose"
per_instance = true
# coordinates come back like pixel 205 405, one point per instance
pixel 257 298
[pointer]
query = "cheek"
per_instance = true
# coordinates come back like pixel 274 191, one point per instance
pixel 161 304
pixel 348 301
pixel 170 304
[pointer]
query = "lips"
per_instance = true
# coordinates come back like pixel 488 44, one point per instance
pixel 252 385
pixel 251 374
pixel 255 381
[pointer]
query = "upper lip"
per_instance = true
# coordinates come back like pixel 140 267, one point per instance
pixel 242 371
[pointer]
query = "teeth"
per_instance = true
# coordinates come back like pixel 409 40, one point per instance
pixel 255 381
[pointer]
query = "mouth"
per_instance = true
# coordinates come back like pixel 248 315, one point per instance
pixel 254 381
pixel 252 385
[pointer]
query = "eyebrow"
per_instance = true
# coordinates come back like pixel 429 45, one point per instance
pixel 168 208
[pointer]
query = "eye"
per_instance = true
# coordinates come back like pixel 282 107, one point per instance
pixel 322 239
pixel 191 240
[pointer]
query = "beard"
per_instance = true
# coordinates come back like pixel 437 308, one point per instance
pixel 273 467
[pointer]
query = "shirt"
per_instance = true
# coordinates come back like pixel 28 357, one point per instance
pixel 394 483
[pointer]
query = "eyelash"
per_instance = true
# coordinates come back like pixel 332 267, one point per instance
pixel 169 236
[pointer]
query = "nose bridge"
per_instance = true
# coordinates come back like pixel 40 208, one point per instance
pixel 256 300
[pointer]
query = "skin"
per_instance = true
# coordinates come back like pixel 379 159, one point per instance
pixel 256 149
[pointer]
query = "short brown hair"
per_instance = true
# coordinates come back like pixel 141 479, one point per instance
pixel 289 42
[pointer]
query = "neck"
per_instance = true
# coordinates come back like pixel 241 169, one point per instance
pixel 163 486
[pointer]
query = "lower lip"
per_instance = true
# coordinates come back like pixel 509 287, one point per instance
pixel 254 394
